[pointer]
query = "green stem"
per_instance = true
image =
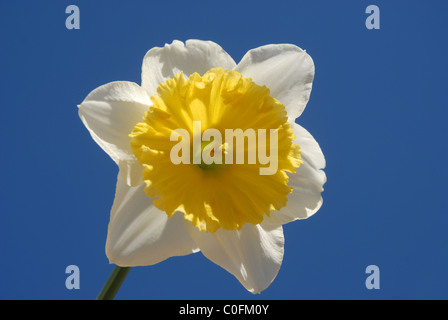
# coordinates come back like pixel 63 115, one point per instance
pixel 113 284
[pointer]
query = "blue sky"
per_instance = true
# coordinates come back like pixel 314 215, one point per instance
pixel 378 109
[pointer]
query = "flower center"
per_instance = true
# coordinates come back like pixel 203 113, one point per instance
pixel 208 150
pixel 217 149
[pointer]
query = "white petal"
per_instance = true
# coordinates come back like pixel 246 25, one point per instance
pixel 307 182
pixel 110 112
pixel 285 69
pixel 139 234
pixel 198 56
pixel 253 254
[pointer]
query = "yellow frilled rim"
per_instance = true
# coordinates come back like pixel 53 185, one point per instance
pixel 221 195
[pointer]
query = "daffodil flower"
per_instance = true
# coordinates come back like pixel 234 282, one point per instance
pixel 228 211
